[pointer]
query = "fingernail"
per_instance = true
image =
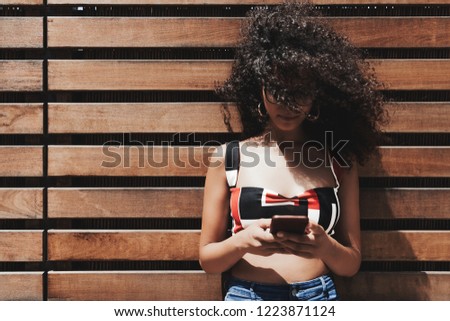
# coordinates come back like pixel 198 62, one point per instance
pixel 280 234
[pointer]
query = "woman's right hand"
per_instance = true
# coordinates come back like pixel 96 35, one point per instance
pixel 256 239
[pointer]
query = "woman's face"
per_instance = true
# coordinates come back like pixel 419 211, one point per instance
pixel 281 116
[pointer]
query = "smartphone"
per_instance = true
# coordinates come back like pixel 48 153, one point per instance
pixel 288 223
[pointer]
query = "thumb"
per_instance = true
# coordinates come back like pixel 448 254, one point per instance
pixel 314 228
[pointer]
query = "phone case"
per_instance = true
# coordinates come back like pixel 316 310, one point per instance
pixel 288 223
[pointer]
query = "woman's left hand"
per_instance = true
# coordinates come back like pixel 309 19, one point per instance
pixel 315 243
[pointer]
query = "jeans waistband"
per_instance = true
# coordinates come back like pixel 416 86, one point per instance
pixel 320 280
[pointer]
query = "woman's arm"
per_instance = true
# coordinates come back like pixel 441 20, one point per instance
pixel 341 254
pixel 218 253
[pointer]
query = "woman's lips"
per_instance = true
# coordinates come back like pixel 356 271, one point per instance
pixel 291 117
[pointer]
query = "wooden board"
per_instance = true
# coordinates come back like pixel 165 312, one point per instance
pixel 21 118
pixel 85 245
pixel 404 203
pixel 431 117
pixel 152 117
pixel 21 203
pixel 125 202
pixel 395 286
pixel 376 203
pixel 134 286
pixel 20 75
pixel 406 245
pixel 21 161
pixel 23 2
pixel 427 117
pixel 21 286
pixel 21 32
pixel 127 161
pixel 192 161
pixel 20 246
pixel 409 162
pixel 397 74
pixel 122 245
pixel 224 32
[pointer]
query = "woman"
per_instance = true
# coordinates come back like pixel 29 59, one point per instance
pixel 310 112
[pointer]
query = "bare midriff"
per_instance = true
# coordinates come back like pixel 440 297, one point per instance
pixel 278 268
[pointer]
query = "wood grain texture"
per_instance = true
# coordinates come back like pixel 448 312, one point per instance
pixel 21 118
pixel 395 286
pixel 404 203
pixel 429 117
pixel 21 203
pixel 21 286
pixel 136 74
pixel 85 245
pixel 134 286
pixel 224 32
pixel 405 245
pixel 20 75
pixel 21 161
pixel 144 117
pixel 399 74
pixel 21 32
pixel 375 203
pixel 20 246
pixel 409 162
pixel 396 74
pixel 142 32
pixel 192 161
pixel 123 245
pixel 125 202
pixel 127 160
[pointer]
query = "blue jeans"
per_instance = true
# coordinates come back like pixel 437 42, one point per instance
pixel 321 288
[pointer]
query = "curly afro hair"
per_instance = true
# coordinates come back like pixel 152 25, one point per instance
pixel 291 49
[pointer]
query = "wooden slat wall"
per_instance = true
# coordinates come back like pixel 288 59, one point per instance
pixel 108 209
pixel 21 159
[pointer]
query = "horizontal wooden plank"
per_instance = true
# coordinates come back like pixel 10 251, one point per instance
pixel 395 286
pixel 404 203
pixel 192 161
pixel 127 161
pixel 21 161
pixel 397 74
pixel 21 286
pixel 153 117
pixel 21 32
pixel 224 32
pixel 21 203
pixel 85 245
pixel 122 245
pixel 429 117
pixel 233 2
pixel 376 203
pixel 165 117
pixel 21 118
pixel 134 74
pixel 134 286
pixel 409 162
pixel 20 246
pixel 20 75
pixel 125 202
pixel 406 245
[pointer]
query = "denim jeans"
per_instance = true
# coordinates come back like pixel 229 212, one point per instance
pixel 321 288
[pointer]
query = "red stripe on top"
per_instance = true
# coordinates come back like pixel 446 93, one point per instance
pixel 277 198
pixel 234 204
pixel 313 199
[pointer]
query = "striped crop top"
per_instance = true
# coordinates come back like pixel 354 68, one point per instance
pixel 247 204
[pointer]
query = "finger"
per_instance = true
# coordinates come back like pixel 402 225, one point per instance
pixel 264 223
pixel 295 237
pixel 314 228
pixel 297 247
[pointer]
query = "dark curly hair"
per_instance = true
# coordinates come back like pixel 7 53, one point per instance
pixel 289 49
